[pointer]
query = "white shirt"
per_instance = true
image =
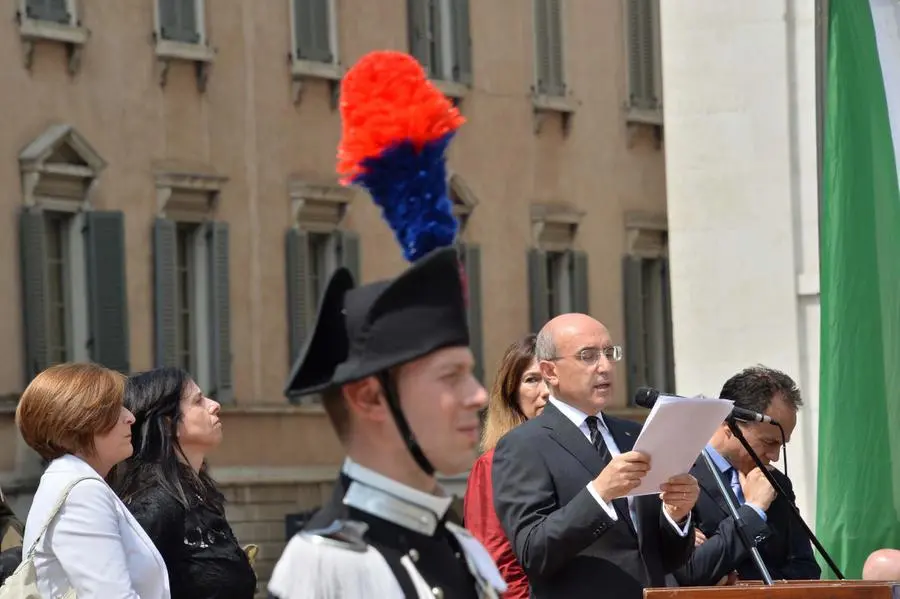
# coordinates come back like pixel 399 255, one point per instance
pixel 579 419
pixel 94 545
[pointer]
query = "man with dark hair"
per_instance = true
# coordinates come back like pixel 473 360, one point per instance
pixel 783 546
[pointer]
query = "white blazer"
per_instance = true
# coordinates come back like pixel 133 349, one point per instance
pixel 94 545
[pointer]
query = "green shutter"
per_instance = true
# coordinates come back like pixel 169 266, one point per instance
pixel 641 53
pixel 55 11
pixel 537 289
pixel 542 59
pixel 578 262
pixel 165 293
pixel 554 30
pixel 462 43
pixel 297 267
pixel 32 240
pixel 312 28
pixel 667 325
pixel 220 311
pixel 472 261
pixel 633 300
pixel 178 20
pixel 417 14
pixel 104 237
pixel 347 243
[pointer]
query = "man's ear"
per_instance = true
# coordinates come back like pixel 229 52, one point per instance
pixel 548 371
pixel 366 398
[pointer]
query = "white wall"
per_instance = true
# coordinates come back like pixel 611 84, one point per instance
pixel 739 88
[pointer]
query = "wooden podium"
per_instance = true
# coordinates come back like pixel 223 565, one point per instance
pixel 794 589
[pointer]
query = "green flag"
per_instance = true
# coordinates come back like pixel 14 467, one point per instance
pixel 858 498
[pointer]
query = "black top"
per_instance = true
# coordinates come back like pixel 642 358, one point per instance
pixel 202 555
pixel 438 557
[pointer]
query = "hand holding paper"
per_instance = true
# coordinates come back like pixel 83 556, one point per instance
pixel 675 432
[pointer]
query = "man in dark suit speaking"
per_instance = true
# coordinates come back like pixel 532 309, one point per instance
pixel 561 481
pixel 782 543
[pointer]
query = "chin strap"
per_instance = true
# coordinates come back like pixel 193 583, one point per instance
pixel 393 402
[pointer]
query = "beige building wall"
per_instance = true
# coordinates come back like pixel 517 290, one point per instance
pixel 247 126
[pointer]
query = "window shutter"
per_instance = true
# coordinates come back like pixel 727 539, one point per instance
pixel 417 14
pixel 348 252
pixel 471 253
pixel 56 11
pixel 462 43
pixel 178 20
pixel 165 292
pixel 667 325
pixel 220 311
pixel 297 263
pixel 580 288
pixel 104 238
pixel 641 54
pixel 635 354
pixel 537 289
pixel 188 20
pixel 312 26
pixel 32 240
pixel 554 32
pixel 542 47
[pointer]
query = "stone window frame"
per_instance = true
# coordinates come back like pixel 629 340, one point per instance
pixel 72 35
pixel 201 54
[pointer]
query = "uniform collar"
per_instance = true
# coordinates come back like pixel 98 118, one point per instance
pixel 380 496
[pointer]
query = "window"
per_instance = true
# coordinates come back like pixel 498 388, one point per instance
pixel 315 246
pixel 51 11
pixel 439 38
pixel 557 272
pixel 54 21
pixel 313 30
pixel 191 281
pixel 181 35
pixel 644 58
pixel 548 42
pixel 649 354
pixel 464 203
pixel 179 20
pixel 72 259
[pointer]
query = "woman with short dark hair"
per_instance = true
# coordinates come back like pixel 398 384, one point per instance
pixel 167 487
pixel 519 393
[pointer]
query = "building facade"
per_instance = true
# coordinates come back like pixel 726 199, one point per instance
pixel 741 161
pixel 171 200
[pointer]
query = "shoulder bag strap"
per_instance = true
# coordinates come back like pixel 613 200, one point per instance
pixel 59 503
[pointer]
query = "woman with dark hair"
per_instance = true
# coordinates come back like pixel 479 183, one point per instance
pixel 519 393
pixel 168 489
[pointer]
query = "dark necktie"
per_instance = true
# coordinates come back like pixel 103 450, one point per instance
pixel 593 424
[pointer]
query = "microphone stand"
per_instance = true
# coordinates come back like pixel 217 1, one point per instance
pixel 732 424
pixel 739 524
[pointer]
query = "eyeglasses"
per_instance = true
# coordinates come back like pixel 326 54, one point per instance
pixel 591 355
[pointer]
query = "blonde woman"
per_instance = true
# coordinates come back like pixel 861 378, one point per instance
pixel 519 394
pixel 73 416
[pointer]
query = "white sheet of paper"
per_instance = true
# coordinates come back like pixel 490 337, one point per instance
pixel 675 432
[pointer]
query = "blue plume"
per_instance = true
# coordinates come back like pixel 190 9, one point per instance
pixel 410 186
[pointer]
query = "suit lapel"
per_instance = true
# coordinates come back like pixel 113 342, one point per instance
pixel 564 432
pixel 708 485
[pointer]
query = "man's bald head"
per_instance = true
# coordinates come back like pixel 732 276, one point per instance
pixel 882 564
pixel 570 350
pixel 559 329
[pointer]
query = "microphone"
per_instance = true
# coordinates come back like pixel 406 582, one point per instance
pixel 646 397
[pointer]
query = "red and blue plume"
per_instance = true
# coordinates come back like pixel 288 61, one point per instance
pixel 396 129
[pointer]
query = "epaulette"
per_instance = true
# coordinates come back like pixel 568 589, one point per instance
pixel 345 534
